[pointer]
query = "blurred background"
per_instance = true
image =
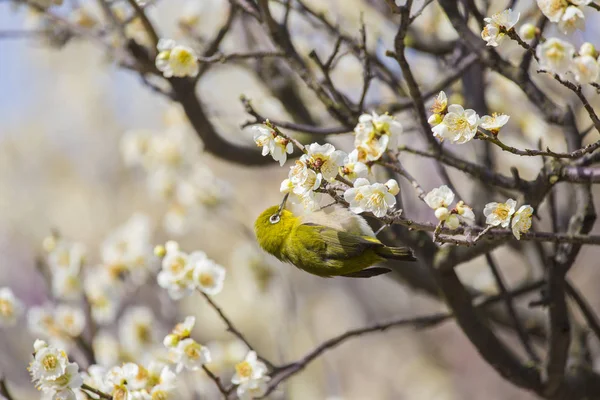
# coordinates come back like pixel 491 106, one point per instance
pixel 68 118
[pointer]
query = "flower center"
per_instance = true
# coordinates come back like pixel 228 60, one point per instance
pixel 244 369
pixel 192 351
pixel 502 211
pixel 49 362
pixel 206 279
pixel 6 308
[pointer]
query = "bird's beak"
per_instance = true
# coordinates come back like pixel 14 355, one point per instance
pixel 282 205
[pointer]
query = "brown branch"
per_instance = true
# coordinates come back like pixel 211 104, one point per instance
pixel 4 389
pixel 231 328
pixel 225 391
pixel 150 30
pixel 521 332
pixel 95 391
pixel 587 311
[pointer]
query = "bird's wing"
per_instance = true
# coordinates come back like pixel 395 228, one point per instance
pixel 334 244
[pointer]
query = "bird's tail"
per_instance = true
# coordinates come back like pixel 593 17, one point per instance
pixel 396 253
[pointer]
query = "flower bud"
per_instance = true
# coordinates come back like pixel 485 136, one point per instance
pixel 49 243
pixel 160 251
pixel 393 187
pixel 435 119
pixel 527 31
pixel 452 222
pixel 588 49
pixel 39 344
pixel 442 213
pixel 171 340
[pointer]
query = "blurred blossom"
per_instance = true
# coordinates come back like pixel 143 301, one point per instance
pixel 11 308
pixel 190 355
pixel 175 60
pixel 137 330
pixel 106 348
pixel 59 324
pixel 585 69
pixel 128 250
pixel 572 19
pixel 555 55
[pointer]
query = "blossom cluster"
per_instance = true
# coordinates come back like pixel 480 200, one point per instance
pixel 555 55
pixel 11 308
pixel 172 161
pixel 376 198
pixel 454 123
pixel 503 214
pixel 182 273
pixel 440 199
pixel 52 372
pixel 560 57
pixel 374 134
pixel 567 14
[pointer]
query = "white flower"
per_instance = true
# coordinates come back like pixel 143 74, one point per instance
pixel 103 295
pixel 40 321
pixel 66 284
pixel 128 249
pixel 440 103
pixel 165 384
pixel 555 55
pixel 177 272
pixel 70 320
pixel 253 389
pixel 521 222
pixel 278 146
pixel 70 379
pixel 585 69
pixel 375 134
pixel 352 168
pixel 106 348
pixel 553 9
pixel 325 159
pixel 356 196
pixel 459 125
pixel 497 24
pixel 209 276
pixel 499 213
pixel 117 379
pixel 248 370
pixel 364 196
pixel 264 137
pixel 11 307
pixel 281 148
pixel 48 363
pixel 493 122
pixel 588 49
pixel 571 20
pixel 439 197
pixel 67 256
pixel 176 60
pixel 137 329
pixel 191 355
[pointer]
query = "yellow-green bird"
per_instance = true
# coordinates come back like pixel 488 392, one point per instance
pixel 336 244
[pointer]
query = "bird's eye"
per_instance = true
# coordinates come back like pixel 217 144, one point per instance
pixel 274 218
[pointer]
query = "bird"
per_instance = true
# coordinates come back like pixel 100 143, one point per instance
pixel 338 243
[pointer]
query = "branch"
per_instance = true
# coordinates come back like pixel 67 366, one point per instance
pixel 97 392
pixel 231 328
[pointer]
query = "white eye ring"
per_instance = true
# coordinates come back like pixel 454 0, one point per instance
pixel 274 218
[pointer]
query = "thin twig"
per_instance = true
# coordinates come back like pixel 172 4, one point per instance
pixel 231 328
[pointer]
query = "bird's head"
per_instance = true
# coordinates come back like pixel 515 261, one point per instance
pixel 272 228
